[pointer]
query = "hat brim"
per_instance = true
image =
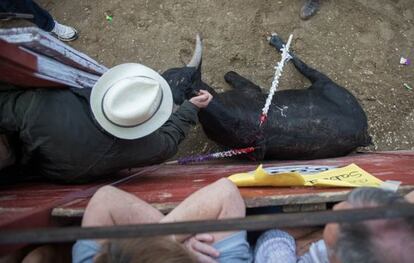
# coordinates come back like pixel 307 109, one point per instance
pixel 126 71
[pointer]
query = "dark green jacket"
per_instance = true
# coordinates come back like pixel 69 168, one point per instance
pixel 60 139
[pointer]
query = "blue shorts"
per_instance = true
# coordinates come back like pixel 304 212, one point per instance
pixel 234 249
pixel 85 250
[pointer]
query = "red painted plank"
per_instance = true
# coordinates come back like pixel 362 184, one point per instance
pixel 19 67
pixel 174 183
pixel 18 56
pixel 170 184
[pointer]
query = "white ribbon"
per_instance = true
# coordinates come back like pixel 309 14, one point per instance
pixel 278 73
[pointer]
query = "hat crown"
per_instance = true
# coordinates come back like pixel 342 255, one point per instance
pixel 132 101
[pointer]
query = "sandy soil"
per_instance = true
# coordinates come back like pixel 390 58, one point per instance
pixel 358 43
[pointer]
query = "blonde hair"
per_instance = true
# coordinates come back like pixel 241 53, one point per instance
pixel 145 250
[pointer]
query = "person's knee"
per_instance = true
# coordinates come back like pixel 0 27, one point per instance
pixel 228 187
pixel 102 195
pixel 107 189
pixel 104 192
pixel 233 202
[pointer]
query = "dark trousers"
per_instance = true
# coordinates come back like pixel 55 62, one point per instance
pixel 41 17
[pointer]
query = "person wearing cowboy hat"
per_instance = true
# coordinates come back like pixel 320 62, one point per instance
pixel 78 135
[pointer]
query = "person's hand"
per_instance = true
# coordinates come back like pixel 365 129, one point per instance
pixel 201 246
pixel 202 99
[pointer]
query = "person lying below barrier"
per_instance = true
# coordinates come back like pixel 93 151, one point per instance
pixel 112 206
pixel 386 240
pixel 79 135
pixel 380 240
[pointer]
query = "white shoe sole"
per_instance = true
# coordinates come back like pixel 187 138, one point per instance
pixel 74 37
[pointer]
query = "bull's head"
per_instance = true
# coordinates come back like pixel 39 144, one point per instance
pixel 186 80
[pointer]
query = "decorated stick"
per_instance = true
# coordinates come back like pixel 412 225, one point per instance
pixel 275 82
pixel 211 156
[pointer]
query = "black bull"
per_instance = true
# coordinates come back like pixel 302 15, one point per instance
pixel 324 120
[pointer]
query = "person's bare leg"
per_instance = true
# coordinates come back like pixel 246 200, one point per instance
pixel 112 206
pixel 218 200
pixel 410 197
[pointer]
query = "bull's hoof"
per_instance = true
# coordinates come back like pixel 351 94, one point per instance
pixel 276 41
pixel 309 9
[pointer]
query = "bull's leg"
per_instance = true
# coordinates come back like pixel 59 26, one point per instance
pixel 312 74
pixel 239 82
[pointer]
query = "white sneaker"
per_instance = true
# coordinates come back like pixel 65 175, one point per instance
pixel 64 33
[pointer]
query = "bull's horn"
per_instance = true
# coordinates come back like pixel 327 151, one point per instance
pixel 198 53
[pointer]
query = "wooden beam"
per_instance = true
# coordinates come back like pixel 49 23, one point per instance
pixel 249 223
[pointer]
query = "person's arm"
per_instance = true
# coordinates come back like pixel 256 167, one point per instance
pixel 7 154
pixel 14 105
pixel 173 132
pixel 170 135
pixel 13 108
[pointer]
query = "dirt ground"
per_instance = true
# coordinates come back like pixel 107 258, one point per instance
pixel 358 43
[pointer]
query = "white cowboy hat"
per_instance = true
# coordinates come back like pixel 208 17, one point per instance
pixel 131 101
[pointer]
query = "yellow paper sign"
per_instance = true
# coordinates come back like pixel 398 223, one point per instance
pixel 262 178
pixel 348 176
